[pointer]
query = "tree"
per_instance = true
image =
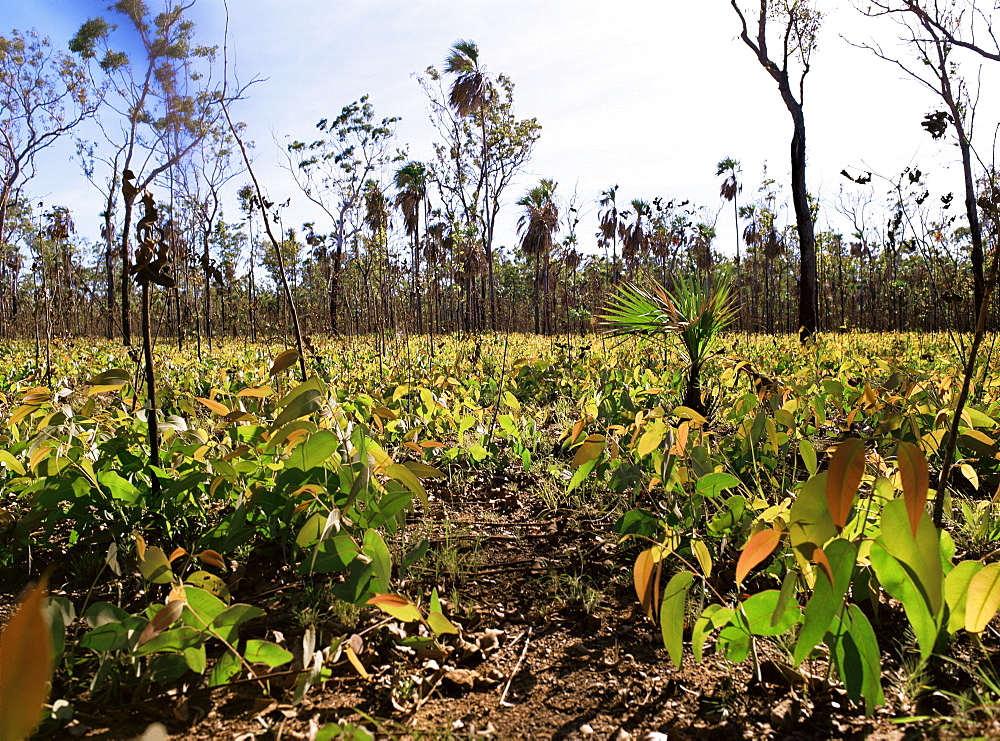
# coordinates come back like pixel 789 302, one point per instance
pixel 411 196
pixel 931 33
pixel 202 179
pixel 484 147
pixel 608 228
pixel 331 172
pixel 537 226
pixel 167 105
pixel 634 232
pixel 44 94
pixel 730 188
pixel 797 22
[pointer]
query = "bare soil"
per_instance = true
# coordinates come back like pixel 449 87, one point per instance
pixel 552 646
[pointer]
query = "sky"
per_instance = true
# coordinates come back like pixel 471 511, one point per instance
pixel 646 94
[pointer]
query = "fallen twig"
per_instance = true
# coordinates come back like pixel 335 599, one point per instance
pixel 517 668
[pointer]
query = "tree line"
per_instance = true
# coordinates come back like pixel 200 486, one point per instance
pixel 410 245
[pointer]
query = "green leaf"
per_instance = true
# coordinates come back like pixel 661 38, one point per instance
pixel 60 613
pixel 715 483
pixel 856 653
pixel 166 668
pixel 651 439
pixel 808 453
pixel 827 599
pixel 332 554
pixel 224 670
pixel 155 567
pixel 581 474
pixel 196 658
pixel 734 642
pixel 375 548
pixel 809 521
pixel 756 614
pixel 229 620
pixel 730 517
pixel 201 609
pixel 407 478
pixel 638 522
pixel 672 615
pixel 10 462
pixel 920 554
pixel 899 583
pixel 440 624
pixel 174 641
pixel 304 399
pixel 104 638
pixel 266 652
pixel 713 617
pixel 314 451
pixel 109 380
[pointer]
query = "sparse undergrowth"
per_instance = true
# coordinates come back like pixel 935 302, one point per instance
pixel 444 546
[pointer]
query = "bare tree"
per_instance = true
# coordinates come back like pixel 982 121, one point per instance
pixel 794 25
pixel 44 94
pixel 928 31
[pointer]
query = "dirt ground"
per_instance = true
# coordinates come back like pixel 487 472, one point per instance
pixel 551 646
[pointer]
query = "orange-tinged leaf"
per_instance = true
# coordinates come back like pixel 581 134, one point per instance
pixel 396 606
pixel 757 549
pixel 215 406
pixel 644 575
pixel 846 469
pixel 819 558
pixel 177 553
pixel 283 361
pixel 983 598
pixel 589 449
pixel 913 472
pixel 41 453
pixel 25 666
pixel 212 558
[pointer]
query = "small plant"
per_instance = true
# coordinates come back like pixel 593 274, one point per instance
pixel 696 314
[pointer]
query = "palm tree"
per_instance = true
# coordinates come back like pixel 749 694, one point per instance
pixel 635 236
pixel 411 187
pixel 730 188
pixel 608 227
pixel 472 90
pixel 537 226
pixel 472 93
pixel 696 313
pixel 728 191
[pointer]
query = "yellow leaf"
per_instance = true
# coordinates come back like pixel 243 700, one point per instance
pixel 215 406
pixel 283 361
pixel 356 662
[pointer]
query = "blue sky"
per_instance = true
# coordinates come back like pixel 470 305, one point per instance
pixel 648 94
